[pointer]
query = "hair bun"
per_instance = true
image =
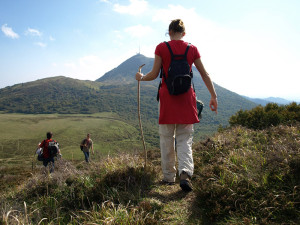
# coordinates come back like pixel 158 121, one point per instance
pixel 177 25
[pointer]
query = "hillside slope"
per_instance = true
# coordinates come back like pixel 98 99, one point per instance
pixel 241 176
pixel 114 92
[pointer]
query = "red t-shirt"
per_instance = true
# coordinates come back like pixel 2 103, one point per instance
pixel 44 145
pixel 177 109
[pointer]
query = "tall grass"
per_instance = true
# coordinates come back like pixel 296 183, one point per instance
pixel 241 176
pixel 106 192
pixel 250 177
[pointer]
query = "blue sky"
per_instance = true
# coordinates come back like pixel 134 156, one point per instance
pixel 250 47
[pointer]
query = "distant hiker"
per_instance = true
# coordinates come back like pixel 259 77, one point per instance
pixel 177 102
pixel 50 149
pixel 85 146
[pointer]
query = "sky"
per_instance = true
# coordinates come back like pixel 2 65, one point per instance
pixel 250 47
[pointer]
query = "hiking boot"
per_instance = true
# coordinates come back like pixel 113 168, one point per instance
pixel 185 182
pixel 164 182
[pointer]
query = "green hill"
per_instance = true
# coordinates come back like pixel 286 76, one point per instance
pixel 114 92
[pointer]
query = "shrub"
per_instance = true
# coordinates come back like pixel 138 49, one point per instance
pixel 264 117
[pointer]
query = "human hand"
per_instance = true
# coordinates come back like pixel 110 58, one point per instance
pixel 213 105
pixel 138 76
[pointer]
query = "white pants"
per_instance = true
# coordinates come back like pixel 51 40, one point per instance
pixel 182 134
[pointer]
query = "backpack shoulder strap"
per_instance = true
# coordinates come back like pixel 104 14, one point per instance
pixel 187 49
pixel 172 54
pixel 44 143
pixel 170 50
pixel 161 72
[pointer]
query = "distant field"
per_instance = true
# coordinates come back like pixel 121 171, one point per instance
pixel 20 135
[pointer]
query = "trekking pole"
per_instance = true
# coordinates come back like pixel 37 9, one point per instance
pixel 140 121
pixel 32 163
pixel 32 166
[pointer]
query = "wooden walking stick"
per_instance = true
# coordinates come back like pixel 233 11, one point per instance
pixel 140 121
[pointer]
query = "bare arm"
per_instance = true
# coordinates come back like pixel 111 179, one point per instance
pixel 213 104
pixel 152 75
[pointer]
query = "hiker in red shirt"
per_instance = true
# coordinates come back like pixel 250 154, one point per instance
pixel 177 113
pixel 47 157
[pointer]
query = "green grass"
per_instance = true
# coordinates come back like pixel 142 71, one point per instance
pixel 22 133
pixel 242 176
pixel 250 176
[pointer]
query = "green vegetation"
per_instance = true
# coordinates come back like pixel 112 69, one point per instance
pixel 23 133
pixel 270 115
pixel 250 177
pixel 242 176
pixel 115 92
pixel 245 174
pixel 69 96
pixel 106 192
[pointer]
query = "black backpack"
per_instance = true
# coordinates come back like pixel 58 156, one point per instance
pixel 53 148
pixel 180 75
pixel 82 143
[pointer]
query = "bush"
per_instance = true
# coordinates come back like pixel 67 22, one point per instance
pixel 264 117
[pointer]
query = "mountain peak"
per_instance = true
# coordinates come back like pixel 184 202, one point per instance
pixel 124 73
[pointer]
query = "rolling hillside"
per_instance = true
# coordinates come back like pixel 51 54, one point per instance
pixel 116 92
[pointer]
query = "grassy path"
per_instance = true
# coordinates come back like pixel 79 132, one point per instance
pixel 177 205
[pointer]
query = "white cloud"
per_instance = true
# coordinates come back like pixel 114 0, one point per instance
pixel 136 7
pixel 9 32
pixel 118 34
pixel 89 61
pixel 33 32
pixel 41 44
pixel 70 65
pixel 89 67
pixel 139 31
pixel 51 38
pixel 175 12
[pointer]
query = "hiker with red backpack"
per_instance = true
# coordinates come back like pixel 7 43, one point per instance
pixel 177 102
pixel 50 149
